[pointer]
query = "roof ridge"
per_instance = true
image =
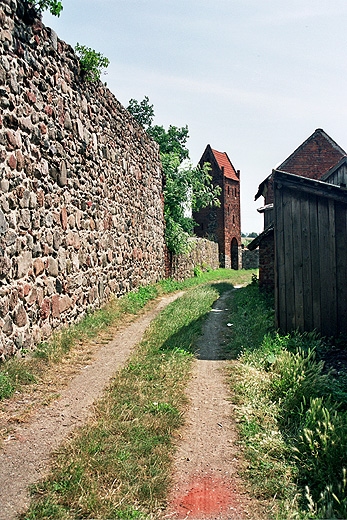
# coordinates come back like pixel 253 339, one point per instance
pixel 229 165
pixel 317 131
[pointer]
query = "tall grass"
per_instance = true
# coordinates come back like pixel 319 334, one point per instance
pixel 292 413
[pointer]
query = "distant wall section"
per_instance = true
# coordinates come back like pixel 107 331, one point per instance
pixel 250 259
pixel 203 254
pixel 81 205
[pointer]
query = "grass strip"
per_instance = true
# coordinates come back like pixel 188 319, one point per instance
pixel 291 411
pixel 28 369
pixel 118 466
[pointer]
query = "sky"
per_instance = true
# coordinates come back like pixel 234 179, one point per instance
pixel 253 78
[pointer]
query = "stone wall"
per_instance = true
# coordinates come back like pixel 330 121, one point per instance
pixel 249 259
pixel 267 263
pixel 203 254
pixel 81 211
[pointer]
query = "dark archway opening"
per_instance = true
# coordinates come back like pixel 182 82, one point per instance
pixel 234 254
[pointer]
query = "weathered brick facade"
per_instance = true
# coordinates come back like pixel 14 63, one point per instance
pixel 223 224
pixel 312 159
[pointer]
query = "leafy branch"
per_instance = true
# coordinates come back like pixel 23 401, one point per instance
pixel 55 7
pixel 186 187
pixel 92 62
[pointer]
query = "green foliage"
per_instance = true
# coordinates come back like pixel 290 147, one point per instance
pixel 171 141
pixel 55 7
pixel 13 375
pixel 161 408
pixel 119 464
pixel 186 187
pixel 198 270
pixel 296 378
pixel 143 112
pixel 322 443
pixel 6 386
pixel 92 62
pixel 293 418
pixel 331 500
pixel 136 300
pixel 252 318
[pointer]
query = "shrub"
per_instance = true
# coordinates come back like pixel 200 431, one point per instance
pixel 55 7
pixel 292 414
pixel 92 62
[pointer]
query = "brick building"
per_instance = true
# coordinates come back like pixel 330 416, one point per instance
pixel 320 158
pixel 223 224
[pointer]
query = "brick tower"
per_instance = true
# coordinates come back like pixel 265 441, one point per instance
pixel 223 224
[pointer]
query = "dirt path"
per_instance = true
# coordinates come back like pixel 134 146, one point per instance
pixel 206 484
pixel 25 456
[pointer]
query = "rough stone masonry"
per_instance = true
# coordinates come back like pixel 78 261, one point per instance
pixel 81 206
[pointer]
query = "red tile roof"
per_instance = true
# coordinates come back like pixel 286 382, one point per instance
pixel 224 162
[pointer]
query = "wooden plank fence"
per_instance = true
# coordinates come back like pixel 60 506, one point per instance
pixel 310 227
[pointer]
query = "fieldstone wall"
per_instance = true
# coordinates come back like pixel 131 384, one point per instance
pixel 250 259
pixel 81 211
pixel 203 254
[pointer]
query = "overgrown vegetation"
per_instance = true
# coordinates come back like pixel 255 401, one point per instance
pixel 55 7
pixel 291 410
pixel 118 466
pixel 19 372
pixel 292 414
pixel 93 63
pixel 186 187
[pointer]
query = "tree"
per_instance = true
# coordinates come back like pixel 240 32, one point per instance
pixel 186 187
pixel 171 141
pixel 55 7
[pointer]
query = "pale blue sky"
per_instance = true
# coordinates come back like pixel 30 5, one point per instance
pixel 253 78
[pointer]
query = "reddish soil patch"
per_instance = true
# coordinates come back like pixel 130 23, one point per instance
pixel 206 496
pixel 205 482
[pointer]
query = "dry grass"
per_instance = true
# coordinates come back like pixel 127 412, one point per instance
pixel 118 465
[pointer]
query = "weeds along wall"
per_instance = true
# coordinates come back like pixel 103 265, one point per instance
pixel 81 206
pixel 203 254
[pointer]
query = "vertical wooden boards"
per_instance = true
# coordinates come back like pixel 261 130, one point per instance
pixel 314 287
pixel 280 289
pixel 327 262
pixel 289 252
pixel 310 231
pixel 297 248
pixel 339 176
pixel 308 249
pixel 341 265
